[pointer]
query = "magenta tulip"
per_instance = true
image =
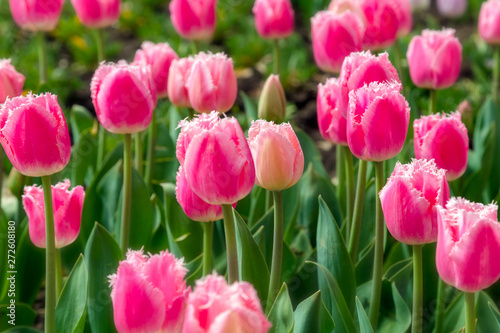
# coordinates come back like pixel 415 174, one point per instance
pixel 403 11
pixel 468 245
pixel 97 13
pixel 34 134
pixel 443 138
pixel 409 199
pixel 273 18
pixel 452 8
pixel 36 15
pixel 489 21
pixel 215 307
pixel 159 57
pixel 178 75
pixel 382 23
pixel 193 19
pixel 67 213
pixel 11 81
pixel 332 125
pixel 434 59
pixel 377 121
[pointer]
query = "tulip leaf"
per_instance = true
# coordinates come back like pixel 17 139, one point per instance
pixel 281 313
pixel 333 254
pixel 311 153
pixel 487 321
pixel 364 322
pixel 166 164
pixel 70 310
pixel 80 120
pixel 495 313
pixel 102 255
pixel 22 329
pixel 250 108
pixel 23 315
pixel 312 316
pixel 401 320
pixel 3 257
pixel 454 316
pixel 83 158
pixel 401 269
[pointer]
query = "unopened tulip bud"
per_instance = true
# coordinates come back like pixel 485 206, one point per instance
pixel 272 102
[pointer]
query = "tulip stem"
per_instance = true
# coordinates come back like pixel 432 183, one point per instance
pixel 275 278
pixel 101 145
pixel 399 64
pixel 341 177
pixel 496 74
pixel 208 235
pixel 358 211
pixel 42 57
pixel 441 304
pixel 379 247
pixel 100 45
pixel 433 101
pixel 127 192
pixel 232 254
pixel 151 150
pixel 59 278
pixel 50 258
pixel 276 55
pixel 138 152
pixel 470 313
pixel 349 171
pixel 417 289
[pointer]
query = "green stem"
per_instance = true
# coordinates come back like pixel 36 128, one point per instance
pixel 100 45
pixel 441 305
pixel 151 150
pixel 50 258
pixel 399 64
pixel 232 254
pixel 433 101
pixel 42 57
pixel 208 235
pixel 417 289
pixel 470 313
pixel 495 85
pixel 1 176
pixel 349 171
pixel 127 192
pixel 378 260
pixel 59 278
pixel 276 55
pixel 275 278
pixel 195 46
pixel 341 177
pixel 101 145
pixel 358 211
pixel 138 152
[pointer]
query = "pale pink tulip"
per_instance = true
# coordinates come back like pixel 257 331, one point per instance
pixel 273 18
pixel 36 15
pixel 489 21
pixel 452 8
pixel 180 69
pixel 11 81
pixel 193 19
pixel 331 122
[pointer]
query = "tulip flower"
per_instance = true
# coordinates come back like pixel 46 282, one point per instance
pixel 11 81
pixel 273 18
pixel 149 293
pixel 97 13
pixel 403 11
pixel 213 306
pixel 443 138
pixel 193 19
pixel 331 123
pixel 36 15
pixel 177 78
pixel 362 68
pixel 335 35
pixel 489 22
pixel 272 102
pixel 382 23
pixel 212 83
pixel 451 8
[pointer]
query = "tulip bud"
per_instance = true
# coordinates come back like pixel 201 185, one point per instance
pixel 468 245
pixel 97 14
pixel 331 123
pixel 417 5
pixel 272 102
pixel 382 23
pixel 67 207
pixel 451 8
pixel 11 81
pixel 443 138
pixel 179 72
pixel 193 19
pixel 36 15
pixel 273 18
pixel 489 22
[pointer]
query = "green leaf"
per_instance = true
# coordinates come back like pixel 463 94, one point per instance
pixel 70 310
pixel 496 314
pixel 281 313
pixel 364 322
pixel 22 329
pixel 250 108
pixel 454 316
pixel 400 270
pixel 23 315
pixel 80 119
pixel 311 153
pixel 486 318
pixel 402 316
pixel 333 254
pixel 102 255
pixel 312 316
pixel 83 158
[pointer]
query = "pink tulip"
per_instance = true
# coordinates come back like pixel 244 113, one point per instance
pixel 276 152
pixel 149 293
pixel 67 207
pixel 34 134
pixel 382 23
pixel 215 307
pixel 159 57
pixel 468 245
pixel 273 18
pixel 377 121
pixel 36 15
pixel 97 13
pixel 193 19
pixel 489 21
pixel 212 83
pixel 434 59
pixel 177 78
pixel 403 11
pixel 216 158
pixel 409 199
pixel 452 8
pixel 11 81
pixel 443 138
pixel 335 36
pixel 362 68
pixel 332 125
pixel 123 96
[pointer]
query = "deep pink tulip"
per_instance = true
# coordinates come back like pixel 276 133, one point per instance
pixel 409 199
pixel 382 23
pixel 277 154
pixel 212 83
pixel 193 19
pixel 362 68
pixel 67 207
pixel 443 138
pixel 273 18
pixel 331 122
pixel 124 97
pixel 178 75
pixel 405 18
pixel 335 35
pixel 36 15
pixel 434 59
pixel 97 13
pixel 159 57
pixel 216 158
pixel 377 121
pixel 452 8
pixel 468 245
pixel 215 307
pixel 34 134
pixel 149 293
pixel 489 21
pixel 11 81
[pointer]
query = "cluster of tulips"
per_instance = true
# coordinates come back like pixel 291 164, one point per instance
pixel 363 112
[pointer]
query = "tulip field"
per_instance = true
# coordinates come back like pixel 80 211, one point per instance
pixel 249 166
